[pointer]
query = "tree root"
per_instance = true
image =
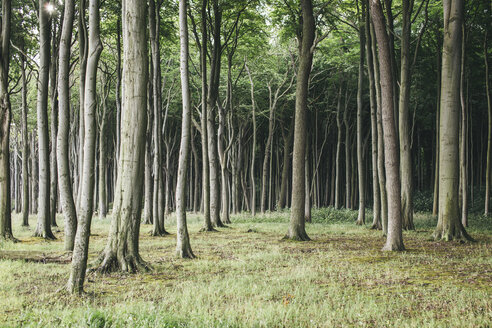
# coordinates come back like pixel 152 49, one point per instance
pixel 130 263
pixel 205 229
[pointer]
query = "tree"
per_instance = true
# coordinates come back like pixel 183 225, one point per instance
pixel 183 247
pixel 5 117
pixel 449 225
pixel 121 252
pixel 66 194
pixel 43 228
pixel 306 47
pixel 394 240
pixel 81 246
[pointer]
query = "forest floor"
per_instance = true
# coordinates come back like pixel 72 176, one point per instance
pixel 246 275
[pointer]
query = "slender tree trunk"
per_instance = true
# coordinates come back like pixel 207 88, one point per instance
pixel 394 241
pixel 183 247
pixel 404 122
pixel 297 221
pixel 53 127
pixel 43 228
pixel 361 218
pixel 307 196
pixel 121 252
pixel 435 197
pixel 285 167
pixel 339 146
pixel 488 176
pixel 102 190
pixel 253 152
pixel 376 223
pixel 25 147
pixel 463 137
pixel 347 151
pixel 66 195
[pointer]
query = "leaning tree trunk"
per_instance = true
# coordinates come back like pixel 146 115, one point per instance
pixel 121 252
pixel 81 246
pixel 449 225
pixel 183 247
pixel 43 228
pixel 5 117
pixel 297 222
pixel 394 240
pixel 66 195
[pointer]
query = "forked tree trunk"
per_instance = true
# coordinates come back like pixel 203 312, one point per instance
pixel 66 195
pixel 306 42
pixel 121 252
pixel 183 247
pixel 85 212
pixel 449 225
pixel 394 240
pixel 43 228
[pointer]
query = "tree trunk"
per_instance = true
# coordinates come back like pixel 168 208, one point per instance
pixel 449 224
pixel 488 168
pixel 25 147
pixel 66 195
pixel 361 218
pixel 306 41
pixel 183 247
pixel 285 167
pixel 5 117
pixel 102 190
pixel 53 128
pixel 81 246
pixel 43 228
pixel 376 222
pixel 253 152
pixel 121 252
pixel 394 241
pixel 463 137
pixel 339 146
pixel 404 122
pixel 347 151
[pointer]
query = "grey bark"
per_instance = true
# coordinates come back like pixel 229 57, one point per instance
pixel 183 247
pixel 66 195
pixel 306 42
pixel 81 246
pixel 43 228
pixel 394 240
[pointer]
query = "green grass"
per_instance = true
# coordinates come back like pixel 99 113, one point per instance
pixel 247 276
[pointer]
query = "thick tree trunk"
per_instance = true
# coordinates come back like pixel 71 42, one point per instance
pixel 306 41
pixel 66 195
pixel 5 117
pixel 394 241
pixel 43 228
pixel 81 246
pixel 121 252
pixel 449 225
pixel 183 247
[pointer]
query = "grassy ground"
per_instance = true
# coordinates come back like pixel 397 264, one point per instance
pixel 245 275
